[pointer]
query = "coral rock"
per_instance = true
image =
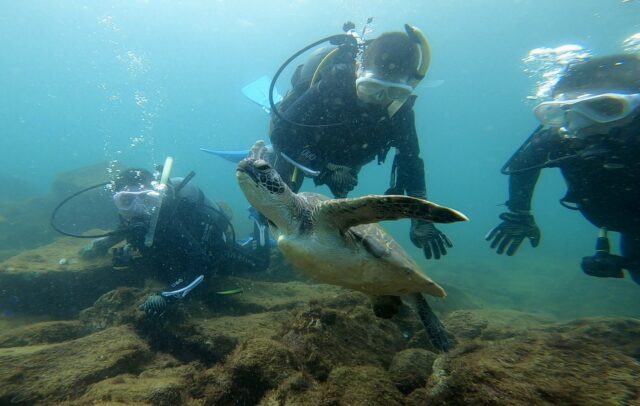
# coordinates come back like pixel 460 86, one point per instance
pixel 410 368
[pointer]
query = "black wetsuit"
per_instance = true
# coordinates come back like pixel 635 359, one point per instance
pixel 363 132
pixel 193 237
pixel 602 175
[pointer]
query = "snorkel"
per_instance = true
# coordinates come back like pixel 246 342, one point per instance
pixel 161 188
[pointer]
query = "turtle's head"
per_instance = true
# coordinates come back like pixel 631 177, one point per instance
pixel 266 191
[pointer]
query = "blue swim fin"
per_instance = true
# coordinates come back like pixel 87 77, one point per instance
pixel 233 156
pixel 258 92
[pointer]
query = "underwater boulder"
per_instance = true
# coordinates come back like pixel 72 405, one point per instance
pixel 410 368
pixel 256 366
pixel 321 338
pixel 47 332
pixel 116 307
pixel 162 386
pixel 362 385
pixel 53 280
pixel 56 372
pixel 550 364
pixel 262 296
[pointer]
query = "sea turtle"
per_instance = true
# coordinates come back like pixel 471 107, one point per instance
pixel 337 241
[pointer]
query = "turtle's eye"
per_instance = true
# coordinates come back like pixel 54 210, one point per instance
pixel 261 165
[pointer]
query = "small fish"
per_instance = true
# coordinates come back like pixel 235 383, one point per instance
pixel 230 292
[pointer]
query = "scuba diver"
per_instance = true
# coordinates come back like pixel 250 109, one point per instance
pixel 591 132
pixel 350 103
pixel 180 230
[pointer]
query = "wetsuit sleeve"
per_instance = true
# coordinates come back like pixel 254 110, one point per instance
pixel 525 171
pixel 102 245
pixel 410 167
pixel 249 258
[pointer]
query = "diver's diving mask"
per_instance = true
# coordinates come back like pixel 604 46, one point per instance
pixel 372 89
pixel 602 108
pixel 136 203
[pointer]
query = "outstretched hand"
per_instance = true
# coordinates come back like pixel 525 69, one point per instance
pixel 425 235
pixel 515 227
pixel 341 179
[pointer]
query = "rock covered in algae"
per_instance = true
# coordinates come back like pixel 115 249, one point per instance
pixel 255 367
pixel 38 285
pixel 331 350
pixel 345 385
pixel 168 385
pixel 410 368
pixel 547 364
pixel 114 308
pixel 321 338
pixel 54 372
pixel 42 333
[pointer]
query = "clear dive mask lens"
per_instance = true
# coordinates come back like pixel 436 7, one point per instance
pixel 602 108
pixel 137 203
pixel 378 89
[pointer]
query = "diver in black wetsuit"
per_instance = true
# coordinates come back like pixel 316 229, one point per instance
pixel 591 132
pixel 193 236
pixel 342 114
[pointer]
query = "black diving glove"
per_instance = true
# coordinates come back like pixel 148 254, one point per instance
pixel 154 305
pixel 122 256
pixel 425 235
pixel 341 179
pixel 95 248
pixel 509 234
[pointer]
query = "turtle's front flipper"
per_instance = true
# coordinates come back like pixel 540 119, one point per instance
pixel 346 213
pixel 433 326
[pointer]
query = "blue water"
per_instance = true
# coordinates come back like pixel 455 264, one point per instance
pixel 135 81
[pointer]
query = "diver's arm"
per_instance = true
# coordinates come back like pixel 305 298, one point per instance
pixel 521 188
pixel 411 179
pixel 410 166
pixel 248 257
pixel 254 255
pixel 524 169
pixel 102 245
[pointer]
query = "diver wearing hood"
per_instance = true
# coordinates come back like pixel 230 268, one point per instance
pixel 591 132
pixel 350 104
pixel 193 237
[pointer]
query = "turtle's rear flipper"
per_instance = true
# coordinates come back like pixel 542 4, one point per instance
pixel 433 326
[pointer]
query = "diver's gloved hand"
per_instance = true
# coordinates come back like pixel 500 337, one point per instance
pixel 515 227
pixel 122 256
pixel 425 235
pixel 341 179
pixel 88 252
pixel 94 249
pixel 154 305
